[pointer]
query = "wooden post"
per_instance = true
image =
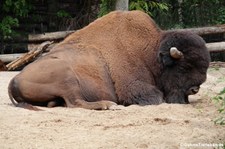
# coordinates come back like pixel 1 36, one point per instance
pixel 122 5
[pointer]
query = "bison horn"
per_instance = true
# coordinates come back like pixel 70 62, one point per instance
pixel 175 53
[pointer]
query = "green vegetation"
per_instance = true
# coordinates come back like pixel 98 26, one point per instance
pixel 176 13
pixel 12 11
pixel 106 6
pixel 220 100
pixel 63 14
pixel 150 7
pixel 167 13
pixel 6 26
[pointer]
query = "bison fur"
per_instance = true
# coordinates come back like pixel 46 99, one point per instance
pixel 121 58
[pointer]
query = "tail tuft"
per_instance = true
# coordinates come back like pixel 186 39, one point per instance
pixel 27 106
pixel 21 104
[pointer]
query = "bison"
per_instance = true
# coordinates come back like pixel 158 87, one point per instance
pixel 122 58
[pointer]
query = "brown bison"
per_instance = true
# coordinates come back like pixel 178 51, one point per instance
pixel 121 58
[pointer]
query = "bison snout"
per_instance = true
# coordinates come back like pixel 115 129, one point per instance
pixel 193 90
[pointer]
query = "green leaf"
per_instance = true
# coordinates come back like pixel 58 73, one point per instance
pixel 220 121
pixel 63 14
pixel 222 92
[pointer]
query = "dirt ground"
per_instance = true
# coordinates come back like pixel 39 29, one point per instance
pixel 166 126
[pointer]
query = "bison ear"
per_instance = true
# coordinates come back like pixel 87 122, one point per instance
pixel 169 57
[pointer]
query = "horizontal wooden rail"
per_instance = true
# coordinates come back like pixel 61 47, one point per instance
pixel 212 47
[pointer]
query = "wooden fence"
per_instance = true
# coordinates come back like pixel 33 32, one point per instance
pixel 41 43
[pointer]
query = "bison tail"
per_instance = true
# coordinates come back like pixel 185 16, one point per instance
pixel 20 104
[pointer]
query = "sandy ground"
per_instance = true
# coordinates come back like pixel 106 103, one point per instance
pixel 169 126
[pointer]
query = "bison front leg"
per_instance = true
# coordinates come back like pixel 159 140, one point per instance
pixel 177 96
pixel 97 105
pixel 141 93
pixel 75 100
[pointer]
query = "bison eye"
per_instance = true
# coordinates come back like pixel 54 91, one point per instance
pixel 193 90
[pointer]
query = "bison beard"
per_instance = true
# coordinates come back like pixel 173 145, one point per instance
pixel 121 58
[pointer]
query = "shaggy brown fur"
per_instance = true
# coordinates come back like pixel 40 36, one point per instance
pixel 120 58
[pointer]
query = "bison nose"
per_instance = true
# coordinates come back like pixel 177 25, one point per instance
pixel 193 90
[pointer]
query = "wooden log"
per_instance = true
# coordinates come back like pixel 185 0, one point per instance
pixel 205 30
pixel 28 56
pixel 216 46
pixel 49 36
pixel 62 34
pixel 32 46
pixel 57 36
pixel 217 64
pixel 39 38
pixel 6 58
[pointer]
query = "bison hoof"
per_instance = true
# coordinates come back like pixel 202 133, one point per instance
pixel 116 107
pixel 51 104
pixel 105 105
pixel 109 105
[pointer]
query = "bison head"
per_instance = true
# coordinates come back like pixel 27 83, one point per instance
pixel 184 61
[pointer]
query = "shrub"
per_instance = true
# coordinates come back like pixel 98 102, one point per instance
pixel 220 100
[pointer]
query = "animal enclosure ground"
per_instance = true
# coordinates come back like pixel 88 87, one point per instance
pixel 169 126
